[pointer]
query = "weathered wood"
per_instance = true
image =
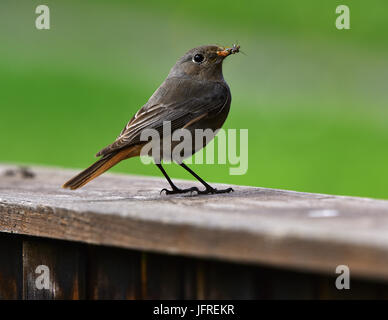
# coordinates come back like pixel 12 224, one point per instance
pixel 167 277
pixel 217 280
pixel 66 269
pixel 113 274
pixel 253 225
pixel 283 284
pixel 359 289
pixel 10 267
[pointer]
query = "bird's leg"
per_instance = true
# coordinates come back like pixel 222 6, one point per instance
pixel 175 189
pixel 209 189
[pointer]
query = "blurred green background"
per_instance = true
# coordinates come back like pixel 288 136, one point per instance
pixel 314 98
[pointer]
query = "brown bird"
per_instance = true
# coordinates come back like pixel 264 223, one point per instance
pixel 193 96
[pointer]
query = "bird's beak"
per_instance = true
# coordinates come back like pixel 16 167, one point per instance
pixel 224 52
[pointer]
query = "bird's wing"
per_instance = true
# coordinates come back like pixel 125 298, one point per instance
pixel 181 104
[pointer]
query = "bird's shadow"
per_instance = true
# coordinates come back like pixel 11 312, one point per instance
pixel 161 197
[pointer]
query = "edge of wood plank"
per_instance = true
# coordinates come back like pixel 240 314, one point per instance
pixel 199 232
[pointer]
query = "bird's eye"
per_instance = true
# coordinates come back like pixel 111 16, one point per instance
pixel 198 58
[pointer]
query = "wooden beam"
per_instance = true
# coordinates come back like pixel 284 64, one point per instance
pixel 280 228
pixel 61 262
pixel 113 274
pixel 11 279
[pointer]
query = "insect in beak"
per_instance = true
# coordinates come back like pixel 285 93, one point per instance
pixel 227 51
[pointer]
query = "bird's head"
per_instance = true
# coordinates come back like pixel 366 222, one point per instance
pixel 203 63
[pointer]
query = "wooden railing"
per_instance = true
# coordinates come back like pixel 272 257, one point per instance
pixel 119 238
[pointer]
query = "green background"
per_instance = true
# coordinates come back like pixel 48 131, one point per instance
pixel 313 98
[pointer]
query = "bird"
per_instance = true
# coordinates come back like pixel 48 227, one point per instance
pixel 194 95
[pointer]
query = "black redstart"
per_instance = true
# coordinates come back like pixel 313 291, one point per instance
pixel 193 96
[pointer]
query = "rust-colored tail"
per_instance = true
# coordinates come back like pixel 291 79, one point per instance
pixel 99 167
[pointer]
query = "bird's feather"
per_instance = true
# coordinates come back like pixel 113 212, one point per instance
pixel 184 101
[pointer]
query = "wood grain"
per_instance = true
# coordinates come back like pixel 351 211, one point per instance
pixel 113 274
pixel 66 265
pixel 11 287
pixel 167 277
pixel 219 281
pixel 289 229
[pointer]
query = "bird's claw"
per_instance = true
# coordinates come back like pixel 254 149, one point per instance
pixel 180 191
pixel 195 189
pixel 215 191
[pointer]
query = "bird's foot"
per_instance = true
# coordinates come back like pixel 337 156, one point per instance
pixel 180 191
pixel 211 190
